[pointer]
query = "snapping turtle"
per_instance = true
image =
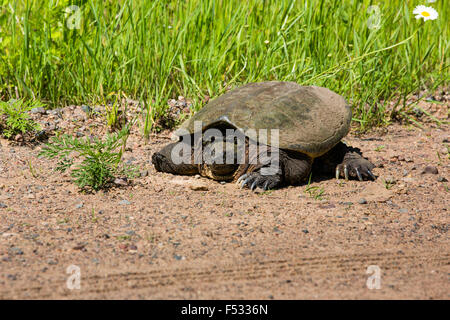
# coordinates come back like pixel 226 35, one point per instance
pixel 309 123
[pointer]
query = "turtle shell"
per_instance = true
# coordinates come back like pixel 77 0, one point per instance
pixel 310 120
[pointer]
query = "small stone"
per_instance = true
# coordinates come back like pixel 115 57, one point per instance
pixel 133 247
pixel 86 109
pixel 177 257
pixel 121 181
pixel 130 233
pixel 144 173
pixel 2 205
pixel 124 202
pixel 12 277
pixel 52 262
pixel 403 210
pixel 198 186
pixel 79 246
pixel 16 251
pixel 276 230
pixel 405 172
pixel 79 205
pixel 79 134
pixel 439 179
pixel 362 201
pixel 39 110
pixel 430 170
pixel 305 231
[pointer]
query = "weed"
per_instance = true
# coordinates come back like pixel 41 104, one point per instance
pixel 100 160
pixel 14 117
pixel 115 117
pixel 32 170
pixel 314 192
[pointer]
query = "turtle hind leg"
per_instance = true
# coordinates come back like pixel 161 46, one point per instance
pixel 345 162
pixel 162 161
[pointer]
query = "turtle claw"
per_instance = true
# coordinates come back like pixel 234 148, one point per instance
pixel 253 187
pixel 338 173
pixel 241 178
pixel 359 174
pixel 371 174
pixel 265 185
pixel 245 182
pixel 346 172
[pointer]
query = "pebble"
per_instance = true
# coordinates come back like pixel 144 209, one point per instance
pixel 362 201
pixel 86 108
pixel 430 169
pixel 121 182
pixel 2 205
pixel 198 186
pixel 12 277
pixel 305 231
pixel 144 173
pixel 439 179
pixel 79 205
pixel 15 250
pixel 276 230
pixel 79 246
pixel 39 110
pixel 403 210
pixel 52 262
pixel 124 202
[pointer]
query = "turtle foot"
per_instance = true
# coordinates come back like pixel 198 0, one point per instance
pixel 355 166
pixel 257 180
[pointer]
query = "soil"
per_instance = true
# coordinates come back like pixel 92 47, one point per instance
pixel 173 237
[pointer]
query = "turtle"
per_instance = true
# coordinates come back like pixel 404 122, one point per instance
pixel 309 123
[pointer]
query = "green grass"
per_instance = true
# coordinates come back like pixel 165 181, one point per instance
pixel 156 50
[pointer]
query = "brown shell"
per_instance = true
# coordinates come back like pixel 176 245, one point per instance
pixel 310 120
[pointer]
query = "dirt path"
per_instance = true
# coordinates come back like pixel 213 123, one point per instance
pixel 170 241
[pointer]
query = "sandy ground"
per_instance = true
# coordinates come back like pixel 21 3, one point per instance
pixel 169 241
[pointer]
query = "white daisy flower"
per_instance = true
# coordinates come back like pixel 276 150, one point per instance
pixel 427 13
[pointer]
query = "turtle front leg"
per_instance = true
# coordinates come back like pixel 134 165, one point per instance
pixel 292 169
pixel 345 162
